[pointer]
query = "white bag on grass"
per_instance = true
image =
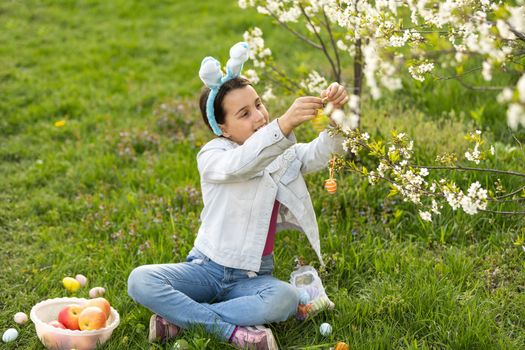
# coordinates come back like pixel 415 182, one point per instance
pixel 307 280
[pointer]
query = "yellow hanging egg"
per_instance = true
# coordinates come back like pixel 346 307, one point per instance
pixel 320 122
pixel 341 346
pixel 330 185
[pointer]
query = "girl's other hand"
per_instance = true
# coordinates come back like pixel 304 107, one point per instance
pixel 303 109
pixel 336 94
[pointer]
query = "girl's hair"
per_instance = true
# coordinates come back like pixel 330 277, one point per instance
pixel 235 83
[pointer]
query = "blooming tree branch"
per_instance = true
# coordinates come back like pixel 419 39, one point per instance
pixel 386 37
pixel 415 184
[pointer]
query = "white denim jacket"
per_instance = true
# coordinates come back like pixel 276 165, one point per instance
pixel 240 184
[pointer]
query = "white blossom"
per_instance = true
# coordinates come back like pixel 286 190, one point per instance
pixel 353 102
pixel 418 71
pixel 258 53
pixel 521 88
pixel 475 155
pixel 353 122
pixel 516 19
pixel 504 30
pixel 252 76
pixel 372 178
pixel 505 95
pixel 313 28
pixel 453 196
pixel 425 216
pixel 314 83
pixel 268 95
pixel 515 115
pixel 487 71
pixel 436 207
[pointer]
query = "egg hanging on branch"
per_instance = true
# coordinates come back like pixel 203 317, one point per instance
pixel 330 185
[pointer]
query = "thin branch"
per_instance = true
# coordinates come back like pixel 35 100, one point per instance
pixel 321 41
pixel 519 143
pixel 480 88
pixel 439 53
pixel 297 34
pixel 464 168
pixel 519 34
pixel 503 212
pixel 403 29
pixel 511 194
pixel 334 46
pixel 358 171
pixel 280 83
pixel 507 200
pixel 282 75
pixel 460 75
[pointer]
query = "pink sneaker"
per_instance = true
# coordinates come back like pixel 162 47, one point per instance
pixel 254 338
pixel 161 330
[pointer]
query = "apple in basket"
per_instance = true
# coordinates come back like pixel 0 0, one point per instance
pixel 92 317
pixel 101 303
pixel 56 324
pixel 68 316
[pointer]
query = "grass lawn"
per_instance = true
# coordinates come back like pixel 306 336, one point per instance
pixel 116 186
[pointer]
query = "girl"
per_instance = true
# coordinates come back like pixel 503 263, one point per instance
pixel 252 185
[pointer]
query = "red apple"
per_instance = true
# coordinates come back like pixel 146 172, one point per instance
pixel 68 316
pixel 56 324
pixel 92 317
pixel 100 302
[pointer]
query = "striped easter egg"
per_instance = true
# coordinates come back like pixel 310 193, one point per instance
pixel 341 346
pixel 330 185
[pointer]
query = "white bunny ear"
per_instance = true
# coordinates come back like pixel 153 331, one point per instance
pixel 239 54
pixel 210 72
pixel 234 66
pixel 240 51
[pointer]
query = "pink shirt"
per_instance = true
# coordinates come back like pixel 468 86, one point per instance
pixel 270 239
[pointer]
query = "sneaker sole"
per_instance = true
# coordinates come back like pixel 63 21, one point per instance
pixel 152 336
pixel 272 343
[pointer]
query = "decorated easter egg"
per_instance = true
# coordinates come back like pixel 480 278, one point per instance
pixel 71 284
pixel 330 185
pixel 304 297
pixel 181 344
pixel 9 335
pixel 96 292
pixel 341 346
pixel 325 329
pixel 81 279
pixel 303 311
pixel 20 318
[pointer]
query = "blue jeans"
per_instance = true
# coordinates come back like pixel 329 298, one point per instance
pixel 202 292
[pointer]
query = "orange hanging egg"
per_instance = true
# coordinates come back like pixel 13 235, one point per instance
pixel 341 346
pixel 330 185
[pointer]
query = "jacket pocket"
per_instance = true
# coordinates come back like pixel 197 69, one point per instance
pixel 292 172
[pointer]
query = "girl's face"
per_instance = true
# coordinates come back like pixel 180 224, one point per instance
pixel 244 114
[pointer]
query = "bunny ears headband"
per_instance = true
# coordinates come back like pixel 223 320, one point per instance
pixel 211 74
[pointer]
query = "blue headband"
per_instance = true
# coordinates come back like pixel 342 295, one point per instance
pixel 211 74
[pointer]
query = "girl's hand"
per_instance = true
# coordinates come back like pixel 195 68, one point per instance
pixel 336 94
pixel 303 109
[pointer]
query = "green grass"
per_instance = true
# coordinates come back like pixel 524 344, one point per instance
pixel 117 185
